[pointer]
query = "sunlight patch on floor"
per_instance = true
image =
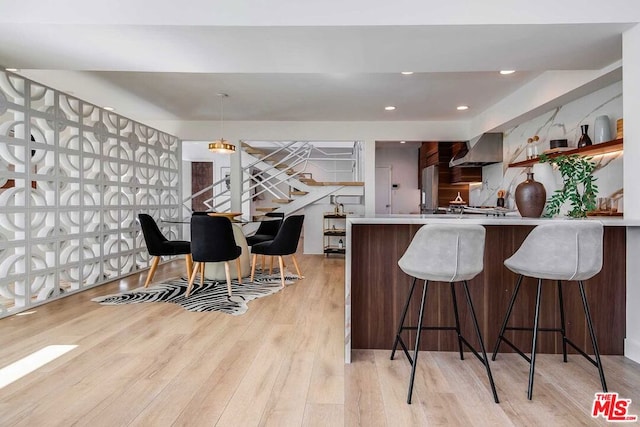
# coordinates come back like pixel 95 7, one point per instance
pixel 30 363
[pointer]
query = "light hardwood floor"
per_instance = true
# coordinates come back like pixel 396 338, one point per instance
pixel 280 364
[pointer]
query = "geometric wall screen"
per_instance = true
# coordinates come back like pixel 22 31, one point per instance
pixel 73 178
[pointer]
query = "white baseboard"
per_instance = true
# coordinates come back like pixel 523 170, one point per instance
pixel 632 350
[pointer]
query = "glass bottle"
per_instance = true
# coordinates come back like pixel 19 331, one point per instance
pixel 584 138
pixel 340 244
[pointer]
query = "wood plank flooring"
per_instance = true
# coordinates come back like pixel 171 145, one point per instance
pixel 279 364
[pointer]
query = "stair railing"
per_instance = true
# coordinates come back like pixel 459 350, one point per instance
pixel 295 154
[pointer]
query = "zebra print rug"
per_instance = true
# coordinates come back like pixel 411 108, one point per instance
pixel 211 296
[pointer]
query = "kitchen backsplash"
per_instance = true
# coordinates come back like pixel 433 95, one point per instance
pixel 560 123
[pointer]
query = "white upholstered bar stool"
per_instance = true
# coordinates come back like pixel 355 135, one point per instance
pixel 443 253
pixel 571 250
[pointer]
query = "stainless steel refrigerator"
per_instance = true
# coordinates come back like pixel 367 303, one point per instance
pixel 429 189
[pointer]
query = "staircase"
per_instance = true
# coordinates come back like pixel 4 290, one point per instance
pixel 294 159
pixel 280 177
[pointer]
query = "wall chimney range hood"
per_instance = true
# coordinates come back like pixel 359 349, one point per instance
pixel 482 150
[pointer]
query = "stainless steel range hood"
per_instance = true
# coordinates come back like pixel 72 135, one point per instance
pixel 482 150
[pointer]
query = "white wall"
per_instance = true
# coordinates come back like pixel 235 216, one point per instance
pixel 404 172
pixel 631 105
pixel 560 122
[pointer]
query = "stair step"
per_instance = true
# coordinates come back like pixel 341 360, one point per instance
pixel 282 200
pixel 298 193
pixel 266 209
pixel 282 166
pixel 254 151
pixel 306 180
pixel 250 150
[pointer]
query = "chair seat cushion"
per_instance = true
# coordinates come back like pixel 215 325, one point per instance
pixel 545 268
pixel 227 256
pixel 258 238
pixel 175 247
pixel 263 248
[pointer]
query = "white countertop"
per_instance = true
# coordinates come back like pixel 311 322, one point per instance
pixel 483 219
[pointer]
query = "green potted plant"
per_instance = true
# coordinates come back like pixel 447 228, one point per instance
pixel 578 185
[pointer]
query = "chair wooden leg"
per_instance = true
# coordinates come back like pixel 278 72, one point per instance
pixel 239 268
pixel 189 261
pixel 263 263
pixel 202 274
pixel 152 271
pixel 253 266
pixel 228 274
pixel 192 278
pixel 295 263
pixel 271 265
pixel 281 262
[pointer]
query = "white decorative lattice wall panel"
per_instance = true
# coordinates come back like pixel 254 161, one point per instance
pixel 73 178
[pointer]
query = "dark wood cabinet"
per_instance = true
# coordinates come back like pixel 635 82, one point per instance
pixel 379 288
pixel 459 174
pixel 451 181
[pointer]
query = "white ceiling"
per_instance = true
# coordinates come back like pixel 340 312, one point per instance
pixel 296 73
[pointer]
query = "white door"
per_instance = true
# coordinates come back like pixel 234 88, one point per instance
pixel 383 189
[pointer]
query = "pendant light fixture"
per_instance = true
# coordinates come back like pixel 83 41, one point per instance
pixel 221 145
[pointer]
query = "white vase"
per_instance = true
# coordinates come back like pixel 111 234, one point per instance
pixel 545 175
pixel 602 130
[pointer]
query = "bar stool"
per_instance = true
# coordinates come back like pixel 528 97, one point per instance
pixel 443 253
pixel 571 250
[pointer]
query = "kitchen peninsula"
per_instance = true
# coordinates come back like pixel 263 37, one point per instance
pixel 375 287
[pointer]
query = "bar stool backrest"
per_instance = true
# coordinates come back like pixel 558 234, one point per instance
pixel 570 250
pixel 445 252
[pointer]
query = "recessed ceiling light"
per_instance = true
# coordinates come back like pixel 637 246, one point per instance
pixel 108 108
pixel 389 108
pixel 403 142
pixel 407 73
pixel 13 70
pixel 462 107
pixel 505 72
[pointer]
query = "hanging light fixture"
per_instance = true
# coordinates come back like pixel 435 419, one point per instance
pixel 221 145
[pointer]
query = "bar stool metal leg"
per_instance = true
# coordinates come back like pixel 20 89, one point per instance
pixel 455 312
pixel 418 334
pixel 484 360
pixel 563 328
pixel 594 343
pixel 506 318
pixel 534 341
pixel 401 324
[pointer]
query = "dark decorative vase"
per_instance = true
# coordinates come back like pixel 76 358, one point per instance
pixel 530 197
pixel 584 138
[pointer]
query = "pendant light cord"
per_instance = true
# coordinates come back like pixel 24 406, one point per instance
pixel 222 97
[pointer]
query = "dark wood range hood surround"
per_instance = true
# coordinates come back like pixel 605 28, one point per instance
pixel 451 180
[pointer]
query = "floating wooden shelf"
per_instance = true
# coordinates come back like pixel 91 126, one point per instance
pixel 591 150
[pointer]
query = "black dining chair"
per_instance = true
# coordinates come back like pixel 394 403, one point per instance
pixel 158 245
pixel 285 243
pixel 212 241
pixel 266 231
